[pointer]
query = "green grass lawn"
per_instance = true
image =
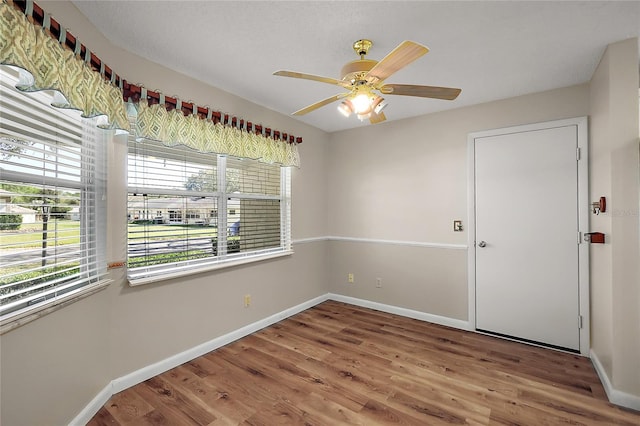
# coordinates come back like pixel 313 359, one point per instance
pixel 168 232
pixel 30 235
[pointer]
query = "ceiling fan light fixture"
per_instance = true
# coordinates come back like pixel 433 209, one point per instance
pixel 346 108
pixel 364 116
pixel 362 103
pixel 378 104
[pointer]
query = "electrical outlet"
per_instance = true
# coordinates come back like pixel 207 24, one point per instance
pixel 378 282
pixel 351 278
pixel 247 300
pixel 457 226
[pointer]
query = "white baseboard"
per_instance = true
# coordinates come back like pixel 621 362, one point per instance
pixel 159 367
pixel 615 396
pixel 409 313
pixel 93 407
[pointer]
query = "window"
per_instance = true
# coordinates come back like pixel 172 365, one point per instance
pixel 52 221
pixel 211 210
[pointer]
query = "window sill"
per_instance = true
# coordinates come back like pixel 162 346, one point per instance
pixel 32 313
pixel 133 282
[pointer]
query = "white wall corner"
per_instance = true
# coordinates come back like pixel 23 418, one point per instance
pixel 615 396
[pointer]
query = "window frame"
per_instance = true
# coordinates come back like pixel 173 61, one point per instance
pixel 89 184
pixel 217 211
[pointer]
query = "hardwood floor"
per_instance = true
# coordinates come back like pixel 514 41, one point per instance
pixel 341 364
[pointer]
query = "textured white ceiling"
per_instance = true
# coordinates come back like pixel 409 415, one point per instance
pixel 492 50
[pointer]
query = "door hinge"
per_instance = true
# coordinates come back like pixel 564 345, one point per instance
pixel 579 321
pixel 578 154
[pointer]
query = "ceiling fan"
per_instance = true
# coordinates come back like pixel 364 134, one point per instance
pixel 363 78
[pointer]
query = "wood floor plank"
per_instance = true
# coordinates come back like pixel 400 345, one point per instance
pixel 433 411
pixel 339 364
pixel 296 344
pixel 128 408
pixel 174 403
pixel 103 417
pixel 214 396
pixel 329 410
pixel 375 412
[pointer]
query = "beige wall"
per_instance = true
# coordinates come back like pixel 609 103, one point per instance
pixel 424 279
pixel 615 173
pixel 53 367
pixel 406 181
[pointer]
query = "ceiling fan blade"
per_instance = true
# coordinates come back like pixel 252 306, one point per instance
pixel 446 93
pixel 312 77
pixel 320 104
pixel 406 52
pixel 377 118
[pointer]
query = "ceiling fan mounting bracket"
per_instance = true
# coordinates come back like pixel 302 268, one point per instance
pixel 362 47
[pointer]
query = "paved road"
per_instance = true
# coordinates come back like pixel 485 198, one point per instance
pixel 7 257
pixel 71 251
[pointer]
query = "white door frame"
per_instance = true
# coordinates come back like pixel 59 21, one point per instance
pixel 583 216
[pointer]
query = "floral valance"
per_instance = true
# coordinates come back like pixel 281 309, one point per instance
pixel 54 67
pixel 173 128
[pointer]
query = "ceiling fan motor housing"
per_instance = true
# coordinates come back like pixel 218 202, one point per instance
pixel 355 70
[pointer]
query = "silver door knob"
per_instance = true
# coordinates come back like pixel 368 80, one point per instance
pixel 482 244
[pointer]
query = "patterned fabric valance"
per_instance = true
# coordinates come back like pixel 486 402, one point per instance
pixel 173 128
pixel 63 64
pixel 55 67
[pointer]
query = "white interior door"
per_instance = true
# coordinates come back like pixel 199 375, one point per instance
pixel 527 235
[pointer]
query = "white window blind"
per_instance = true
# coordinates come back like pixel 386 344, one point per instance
pixel 188 210
pixel 52 219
